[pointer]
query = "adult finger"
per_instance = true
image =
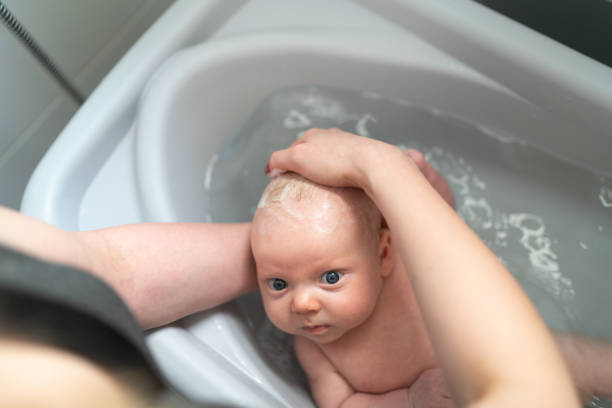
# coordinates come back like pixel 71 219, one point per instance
pixel 281 161
pixel 307 135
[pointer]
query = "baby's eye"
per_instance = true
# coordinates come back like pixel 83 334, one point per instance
pixel 331 277
pixel 277 284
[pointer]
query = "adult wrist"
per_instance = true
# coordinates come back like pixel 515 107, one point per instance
pixel 382 166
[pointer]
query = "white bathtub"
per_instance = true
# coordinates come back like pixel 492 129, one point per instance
pixel 140 146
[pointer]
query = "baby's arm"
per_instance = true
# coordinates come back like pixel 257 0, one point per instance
pixel 331 390
pixel 492 345
pixel 162 271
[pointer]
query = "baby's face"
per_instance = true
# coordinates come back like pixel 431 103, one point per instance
pixel 315 281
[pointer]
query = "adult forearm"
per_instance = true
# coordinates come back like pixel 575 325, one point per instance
pixel 459 283
pixel 165 271
pixel 162 271
pixel 41 241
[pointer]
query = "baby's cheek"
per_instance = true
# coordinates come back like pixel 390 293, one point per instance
pixel 278 316
pixel 357 308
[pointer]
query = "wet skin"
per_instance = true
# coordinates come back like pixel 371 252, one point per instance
pixel 344 293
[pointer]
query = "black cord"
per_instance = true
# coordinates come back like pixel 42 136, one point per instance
pixel 13 24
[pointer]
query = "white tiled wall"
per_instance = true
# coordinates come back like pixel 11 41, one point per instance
pixel 85 38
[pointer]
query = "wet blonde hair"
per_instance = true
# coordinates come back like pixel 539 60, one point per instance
pixel 291 187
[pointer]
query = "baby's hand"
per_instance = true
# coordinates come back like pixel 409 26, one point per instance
pixel 430 391
pixel 334 157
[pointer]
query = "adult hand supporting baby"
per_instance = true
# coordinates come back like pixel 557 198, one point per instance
pixel 333 157
pixel 490 342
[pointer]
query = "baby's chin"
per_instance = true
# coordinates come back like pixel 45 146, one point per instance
pixel 322 338
pixel 329 336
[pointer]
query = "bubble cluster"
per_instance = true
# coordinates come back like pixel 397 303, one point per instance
pixel 315 106
pixel 296 119
pixel 507 234
pixel 361 128
pixel 320 106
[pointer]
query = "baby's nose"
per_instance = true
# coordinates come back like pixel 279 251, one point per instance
pixel 304 301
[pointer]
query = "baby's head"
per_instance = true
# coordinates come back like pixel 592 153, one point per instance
pixel 321 256
pixel 325 209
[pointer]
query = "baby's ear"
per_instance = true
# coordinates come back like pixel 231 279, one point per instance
pixel 385 256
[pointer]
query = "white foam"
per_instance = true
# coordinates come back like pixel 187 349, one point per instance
pixel 494 226
pixel 462 181
pixel 605 196
pixel 321 106
pixel 535 240
pixel 478 212
pixel 323 217
pixel 263 200
pixel 361 128
pixel 296 119
pixel 500 136
pixel 209 171
pixel 478 182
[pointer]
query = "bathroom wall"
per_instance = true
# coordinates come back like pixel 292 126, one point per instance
pixel 84 38
pixel 583 25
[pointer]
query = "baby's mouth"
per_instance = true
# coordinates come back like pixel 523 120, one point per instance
pixel 316 329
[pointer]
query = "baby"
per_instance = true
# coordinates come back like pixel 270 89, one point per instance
pixel 328 274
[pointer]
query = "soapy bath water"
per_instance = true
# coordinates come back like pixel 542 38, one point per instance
pixel 548 221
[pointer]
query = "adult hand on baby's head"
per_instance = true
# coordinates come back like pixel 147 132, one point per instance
pixel 337 158
pixel 333 157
